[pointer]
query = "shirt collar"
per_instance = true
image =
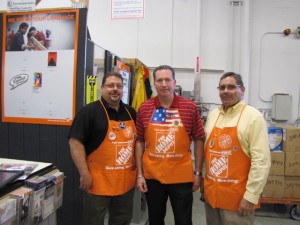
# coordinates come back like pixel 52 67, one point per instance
pixel 237 106
pixel 107 105
pixel 175 103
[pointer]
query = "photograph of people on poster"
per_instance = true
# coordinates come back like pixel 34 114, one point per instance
pixel 36 89
pixel 40 31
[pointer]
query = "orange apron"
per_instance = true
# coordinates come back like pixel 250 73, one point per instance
pixel 227 168
pixel 167 157
pixel 111 165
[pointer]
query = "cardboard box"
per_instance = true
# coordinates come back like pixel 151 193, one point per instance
pixel 292 164
pixel 291 138
pixel 274 187
pixel 291 187
pixel 275 138
pixel 277 163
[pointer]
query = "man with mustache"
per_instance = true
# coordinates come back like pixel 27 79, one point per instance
pixel 102 139
pixel 237 156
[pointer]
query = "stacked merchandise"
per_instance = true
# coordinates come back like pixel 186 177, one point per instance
pixel 53 192
pixel 59 184
pixel 38 185
pixel 47 194
pixel 284 177
pixel 8 211
pixel 35 202
pixel 23 196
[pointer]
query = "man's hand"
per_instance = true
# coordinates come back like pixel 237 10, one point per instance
pixel 246 208
pixel 141 184
pixel 197 182
pixel 86 182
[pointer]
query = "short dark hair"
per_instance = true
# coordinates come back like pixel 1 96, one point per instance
pixel 237 77
pixel 110 74
pixel 31 29
pixel 164 67
pixel 23 25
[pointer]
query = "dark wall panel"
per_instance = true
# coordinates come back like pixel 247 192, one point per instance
pixel 4 151
pixel 47 143
pixel 32 142
pixel 15 141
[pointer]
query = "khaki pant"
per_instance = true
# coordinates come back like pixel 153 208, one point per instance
pixel 225 217
pixel 119 209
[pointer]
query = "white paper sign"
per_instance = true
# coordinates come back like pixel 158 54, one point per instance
pixel 20 5
pixel 128 9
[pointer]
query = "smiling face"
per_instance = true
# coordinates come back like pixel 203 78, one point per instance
pixel 164 83
pixel 112 90
pixel 230 93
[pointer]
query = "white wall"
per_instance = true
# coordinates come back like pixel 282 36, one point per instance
pixel 167 34
pixel 275 57
pixel 233 37
pixel 245 38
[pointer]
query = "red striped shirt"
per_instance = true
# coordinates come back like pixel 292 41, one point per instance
pixel 188 111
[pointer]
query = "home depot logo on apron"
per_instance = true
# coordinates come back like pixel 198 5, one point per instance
pixel 111 164
pixel 167 156
pixel 227 168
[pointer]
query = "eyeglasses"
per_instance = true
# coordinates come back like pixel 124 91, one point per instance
pixel 111 86
pixel 229 87
pixel 167 81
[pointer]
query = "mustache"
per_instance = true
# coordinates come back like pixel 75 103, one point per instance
pixel 226 94
pixel 114 92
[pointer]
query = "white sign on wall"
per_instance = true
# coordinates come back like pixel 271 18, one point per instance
pixel 129 9
pixel 20 5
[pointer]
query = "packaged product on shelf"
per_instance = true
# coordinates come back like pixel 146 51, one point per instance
pixel 275 138
pixel 38 184
pixel 57 177
pixel 49 203
pixel 8 211
pixel 24 199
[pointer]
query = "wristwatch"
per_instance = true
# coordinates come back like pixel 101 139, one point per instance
pixel 139 176
pixel 197 173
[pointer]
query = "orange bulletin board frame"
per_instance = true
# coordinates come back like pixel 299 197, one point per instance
pixel 39 86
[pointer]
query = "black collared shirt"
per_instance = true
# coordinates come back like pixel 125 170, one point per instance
pixel 90 123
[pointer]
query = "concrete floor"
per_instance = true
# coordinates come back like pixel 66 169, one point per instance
pixel 265 216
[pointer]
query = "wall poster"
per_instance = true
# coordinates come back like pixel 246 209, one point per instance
pixel 124 70
pixel 39 67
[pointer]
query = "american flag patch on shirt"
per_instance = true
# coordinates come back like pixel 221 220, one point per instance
pixel 163 116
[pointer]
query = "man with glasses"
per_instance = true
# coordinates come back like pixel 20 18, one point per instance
pixel 102 139
pixel 237 156
pixel 166 125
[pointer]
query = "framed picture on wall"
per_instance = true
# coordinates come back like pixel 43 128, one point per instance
pixel 39 69
pixel 124 70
